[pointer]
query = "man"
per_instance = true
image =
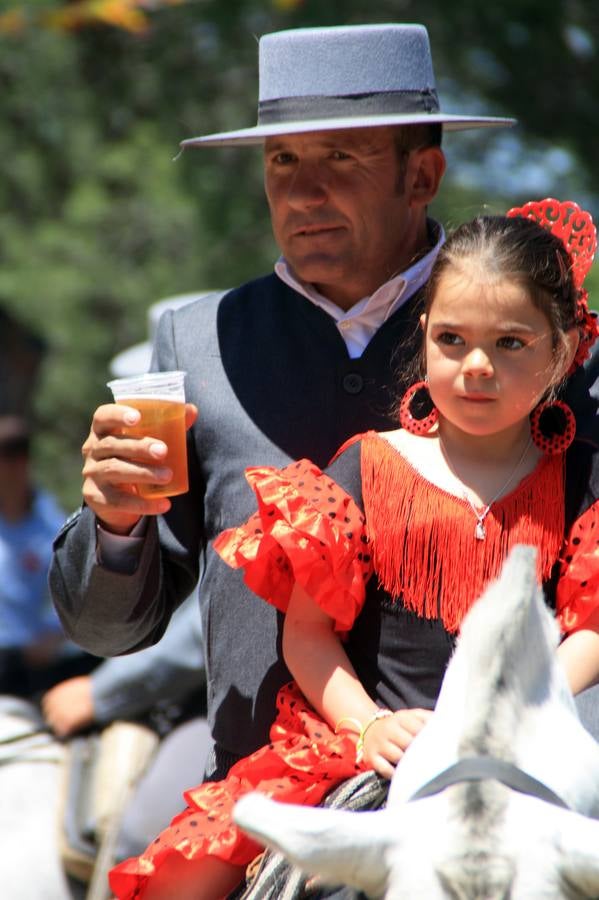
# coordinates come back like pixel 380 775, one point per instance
pixel 286 366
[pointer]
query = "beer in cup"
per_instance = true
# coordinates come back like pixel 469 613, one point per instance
pixel 160 398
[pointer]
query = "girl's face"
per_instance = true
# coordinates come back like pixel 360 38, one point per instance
pixel 489 353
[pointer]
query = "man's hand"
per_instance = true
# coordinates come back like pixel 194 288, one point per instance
pixel 388 738
pixel 115 463
pixel 69 706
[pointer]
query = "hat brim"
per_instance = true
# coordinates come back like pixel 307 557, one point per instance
pixel 256 135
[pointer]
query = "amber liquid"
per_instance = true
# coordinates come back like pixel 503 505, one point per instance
pixel 165 421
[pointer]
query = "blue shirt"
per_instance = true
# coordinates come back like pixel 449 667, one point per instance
pixel 26 611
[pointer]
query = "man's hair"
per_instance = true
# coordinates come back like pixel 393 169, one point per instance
pixel 413 137
pixel 410 137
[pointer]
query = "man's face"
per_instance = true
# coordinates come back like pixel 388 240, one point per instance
pixel 339 210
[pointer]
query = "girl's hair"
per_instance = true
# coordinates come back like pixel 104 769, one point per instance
pixel 515 249
pixel 518 250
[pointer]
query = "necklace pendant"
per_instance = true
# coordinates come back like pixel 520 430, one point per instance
pixel 479 532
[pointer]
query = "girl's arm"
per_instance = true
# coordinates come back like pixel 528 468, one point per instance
pixel 579 653
pixel 318 662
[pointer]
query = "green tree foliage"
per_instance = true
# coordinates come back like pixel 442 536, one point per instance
pixel 99 220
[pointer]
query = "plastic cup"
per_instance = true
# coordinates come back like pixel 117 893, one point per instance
pixel 160 398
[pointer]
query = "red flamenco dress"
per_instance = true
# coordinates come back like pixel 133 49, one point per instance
pixel 419 540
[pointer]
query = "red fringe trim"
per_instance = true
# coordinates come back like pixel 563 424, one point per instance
pixel 422 537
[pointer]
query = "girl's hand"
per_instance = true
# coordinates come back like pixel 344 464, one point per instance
pixel 387 739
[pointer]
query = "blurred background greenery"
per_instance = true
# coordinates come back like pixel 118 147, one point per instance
pixel 99 218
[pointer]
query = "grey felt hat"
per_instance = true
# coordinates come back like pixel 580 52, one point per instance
pixel 317 79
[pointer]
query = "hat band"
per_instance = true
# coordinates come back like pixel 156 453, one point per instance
pixel 298 109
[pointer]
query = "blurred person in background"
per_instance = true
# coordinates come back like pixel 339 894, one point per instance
pixel 34 652
pixel 163 686
pixel 78 694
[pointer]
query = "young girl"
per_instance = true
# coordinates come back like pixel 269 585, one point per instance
pixel 377 560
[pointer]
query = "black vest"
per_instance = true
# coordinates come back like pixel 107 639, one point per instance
pixel 278 385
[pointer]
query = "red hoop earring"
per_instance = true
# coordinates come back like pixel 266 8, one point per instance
pixel 552 426
pixel 417 412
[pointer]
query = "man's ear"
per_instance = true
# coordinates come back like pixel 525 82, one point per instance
pixel 427 169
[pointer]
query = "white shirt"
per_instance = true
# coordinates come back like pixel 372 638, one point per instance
pixel 359 324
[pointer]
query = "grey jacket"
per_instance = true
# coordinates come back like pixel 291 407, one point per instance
pixel 169 672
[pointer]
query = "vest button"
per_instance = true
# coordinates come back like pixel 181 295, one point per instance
pixel 353 383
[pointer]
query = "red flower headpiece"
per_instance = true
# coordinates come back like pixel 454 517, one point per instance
pixel 574 226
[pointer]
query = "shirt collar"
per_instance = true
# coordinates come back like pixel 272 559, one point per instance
pixel 387 298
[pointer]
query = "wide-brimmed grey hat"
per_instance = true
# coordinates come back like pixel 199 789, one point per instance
pixel 317 79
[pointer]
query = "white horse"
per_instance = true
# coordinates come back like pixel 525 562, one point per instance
pixel 517 817
pixel 30 785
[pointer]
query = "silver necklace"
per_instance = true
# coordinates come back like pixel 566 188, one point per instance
pixel 480 532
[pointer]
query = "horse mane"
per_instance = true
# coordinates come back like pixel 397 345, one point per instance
pixel 506 649
pixel 507 643
pixel 472 874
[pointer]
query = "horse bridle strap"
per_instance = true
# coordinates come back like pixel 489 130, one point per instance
pixel 480 768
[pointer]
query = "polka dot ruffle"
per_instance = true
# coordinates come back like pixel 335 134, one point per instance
pixel 307 530
pixel 577 593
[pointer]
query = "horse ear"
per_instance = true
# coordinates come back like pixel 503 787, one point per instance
pixel 341 847
pixel 578 845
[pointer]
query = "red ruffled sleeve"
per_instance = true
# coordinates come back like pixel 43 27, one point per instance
pixel 307 529
pixel 577 593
